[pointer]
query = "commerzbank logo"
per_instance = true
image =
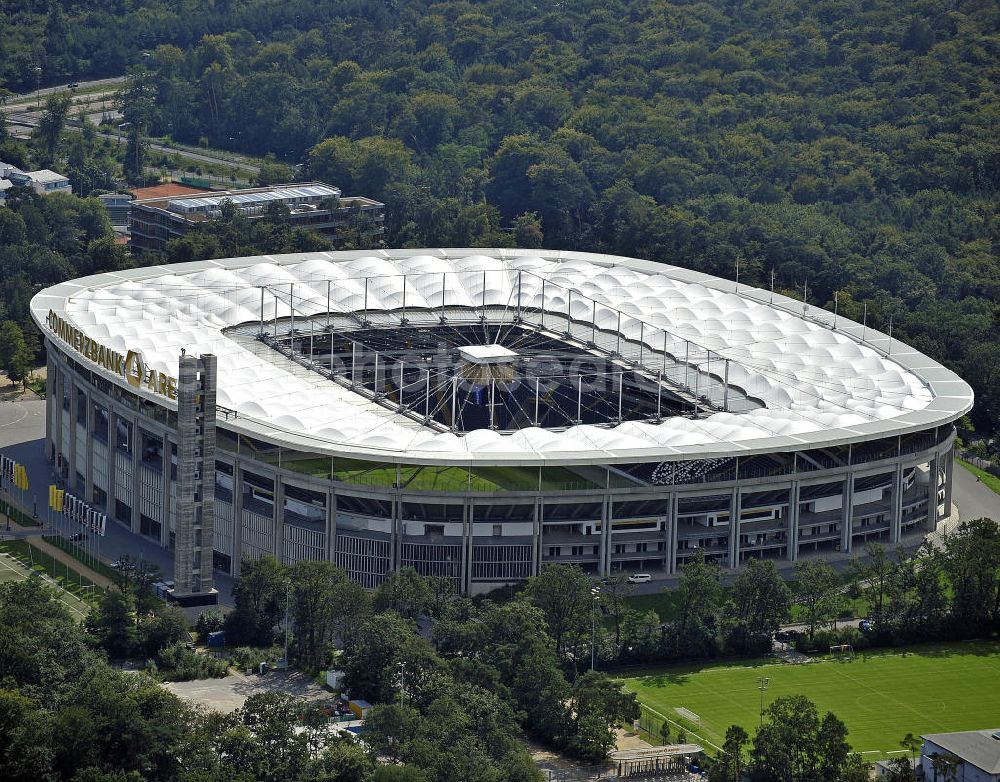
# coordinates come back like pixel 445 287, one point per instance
pixel 131 365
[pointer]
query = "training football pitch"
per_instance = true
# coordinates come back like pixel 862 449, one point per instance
pixel 11 569
pixel 881 696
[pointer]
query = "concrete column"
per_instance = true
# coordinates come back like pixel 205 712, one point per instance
pixel 237 517
pixel 847 514
pixel 933 479
pixel 793 522
pixel 604 560
pixel 70 453
pixel 396 536
pixel 949 468
pixel 278 521
pixel 331 524
pixel 668 524
pixel 136 457
pixel 88 474
pixel 896 508
pixel 165 492
pixel 51 436
pixel 674 531
pixel 734 528
pixel 536 537
pixel 467 548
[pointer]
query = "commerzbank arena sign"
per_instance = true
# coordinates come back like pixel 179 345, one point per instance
pixel 130 366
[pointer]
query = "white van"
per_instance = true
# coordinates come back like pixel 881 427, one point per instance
pixel 640 578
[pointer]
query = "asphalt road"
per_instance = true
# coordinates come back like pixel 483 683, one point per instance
pixel 20 112
pixel 31 121
pixel 972 498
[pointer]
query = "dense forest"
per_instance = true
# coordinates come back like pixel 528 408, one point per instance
pixel 850 146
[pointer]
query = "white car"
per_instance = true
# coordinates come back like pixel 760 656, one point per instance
pixel 640 578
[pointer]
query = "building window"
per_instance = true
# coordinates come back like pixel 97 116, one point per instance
pixel 498 530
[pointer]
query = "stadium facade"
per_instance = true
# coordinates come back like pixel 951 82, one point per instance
pixel 477 414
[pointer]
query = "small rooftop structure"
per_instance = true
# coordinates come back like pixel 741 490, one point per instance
pixel 487 354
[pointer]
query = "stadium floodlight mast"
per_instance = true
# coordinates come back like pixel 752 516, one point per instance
pixel 762 682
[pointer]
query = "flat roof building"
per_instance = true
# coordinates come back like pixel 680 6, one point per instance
pixel 974 756
pixel 42 181
pixel 314 205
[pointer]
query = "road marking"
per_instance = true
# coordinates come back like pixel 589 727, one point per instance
pixel 24 414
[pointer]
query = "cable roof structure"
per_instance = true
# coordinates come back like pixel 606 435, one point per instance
pixel 441 355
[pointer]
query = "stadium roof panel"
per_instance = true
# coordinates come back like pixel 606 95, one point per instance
pixel 820 384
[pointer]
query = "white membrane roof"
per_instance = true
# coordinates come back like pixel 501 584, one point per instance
pixel 821 385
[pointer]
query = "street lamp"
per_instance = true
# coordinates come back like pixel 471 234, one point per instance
pixel 38 86
pixel 596 597
pixel 762 682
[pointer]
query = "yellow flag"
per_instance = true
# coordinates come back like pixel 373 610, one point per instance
pixel 20 476
pixel 52 496
pixel 60 495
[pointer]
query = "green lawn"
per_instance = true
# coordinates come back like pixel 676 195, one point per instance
pixel 989 480
pixel 880 696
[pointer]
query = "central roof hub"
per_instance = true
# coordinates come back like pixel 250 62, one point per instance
pixel 487 354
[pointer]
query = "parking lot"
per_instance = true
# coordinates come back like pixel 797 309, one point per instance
pixel 230 693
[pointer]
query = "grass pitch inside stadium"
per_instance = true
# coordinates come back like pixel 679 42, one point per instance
pixel 880 695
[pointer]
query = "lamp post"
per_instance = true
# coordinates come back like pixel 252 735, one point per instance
pixel 762 682
pixel 38 87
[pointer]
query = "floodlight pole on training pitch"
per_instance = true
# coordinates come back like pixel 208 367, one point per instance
pixel 762 682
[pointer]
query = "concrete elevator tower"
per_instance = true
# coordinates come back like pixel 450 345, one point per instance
pixel 195 520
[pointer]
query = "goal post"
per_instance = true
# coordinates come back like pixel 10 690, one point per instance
pixel 842 651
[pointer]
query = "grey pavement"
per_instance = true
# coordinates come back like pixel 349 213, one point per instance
pixel 231 692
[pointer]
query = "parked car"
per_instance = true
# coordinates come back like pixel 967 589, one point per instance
pixel 640 578
pixel 866 626
pixel 76 537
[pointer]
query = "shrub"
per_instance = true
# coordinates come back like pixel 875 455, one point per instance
pixel 208 622
pixel 177 663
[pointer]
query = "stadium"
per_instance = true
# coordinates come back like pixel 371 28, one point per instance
pixel 476 414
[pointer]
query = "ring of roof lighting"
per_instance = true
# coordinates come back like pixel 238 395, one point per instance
pixel 820 385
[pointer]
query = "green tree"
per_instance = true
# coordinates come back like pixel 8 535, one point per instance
pixel 971 563
pixel 15 357
pixel 273 172
pixel 730 764
pixel 259 594
pixel 878 576
pixel 815 589
pixel 112 626
pixel 795 745
pixel 599 704
pixel 563 592
pixel 614 590
pixel 136 100
pixel 406 592
pixel 168 626
pixel 314 609
pixel 48 133
pixel 694 631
